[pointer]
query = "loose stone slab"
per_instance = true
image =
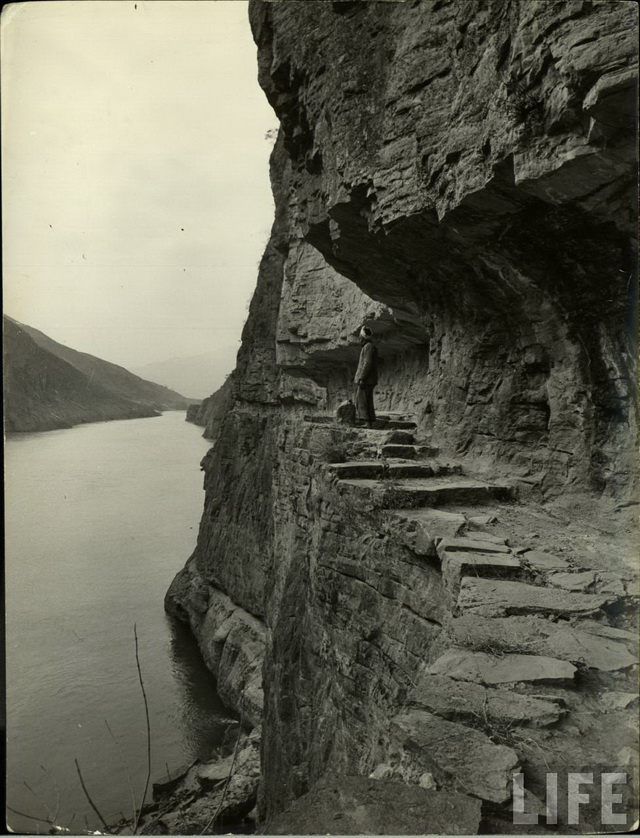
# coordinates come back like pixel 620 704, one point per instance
pixel 453 752
pixel 540 637
pixel 448 698
pixel 451 545
pixel 544 561
pixel 489 598
pixel 481 668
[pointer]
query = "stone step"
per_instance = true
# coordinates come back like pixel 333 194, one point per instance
pixel 377 470
pixel 458 565
pixel 607 652
pixel 400 438
pixel 421 528
pixel 425 451
pixel 489 598
pixel 434 492
pixel 481 668
pixel 449 699
pixel 404 452
pixel 544 562
pixel 455 753
pixel 593 582
pixel 470 545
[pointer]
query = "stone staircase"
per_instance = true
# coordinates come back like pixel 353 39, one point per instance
pixel 405 469
pixel 535 669
pixel 532 676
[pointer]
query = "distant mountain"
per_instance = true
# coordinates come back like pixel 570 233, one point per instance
pixel 48 385
pixel 198 376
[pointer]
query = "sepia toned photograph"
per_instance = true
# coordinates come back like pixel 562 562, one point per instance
pixel 320 417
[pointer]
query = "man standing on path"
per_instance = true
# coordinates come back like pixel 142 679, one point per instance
pixel 366 377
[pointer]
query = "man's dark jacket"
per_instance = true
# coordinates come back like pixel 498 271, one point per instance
pixel 367 371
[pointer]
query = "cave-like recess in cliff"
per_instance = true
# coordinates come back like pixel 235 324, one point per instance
pixel 473 167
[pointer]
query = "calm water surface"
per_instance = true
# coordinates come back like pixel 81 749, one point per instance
pixel 99 519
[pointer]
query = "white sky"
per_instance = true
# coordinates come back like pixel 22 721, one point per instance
pixel 136 199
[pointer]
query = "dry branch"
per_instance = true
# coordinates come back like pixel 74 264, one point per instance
pixel 88 796
pixel 146 712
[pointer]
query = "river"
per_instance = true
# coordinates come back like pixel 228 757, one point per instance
pixel 99 518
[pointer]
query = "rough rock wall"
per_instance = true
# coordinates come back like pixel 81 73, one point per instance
pixel 210 413
pixel 473 166
pixel 461 176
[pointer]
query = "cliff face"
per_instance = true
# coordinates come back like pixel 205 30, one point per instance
pixel 48 385
pixel 472 166
pixel 212 410
pixel 461 176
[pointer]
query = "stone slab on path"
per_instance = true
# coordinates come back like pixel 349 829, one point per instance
pixel 448 698
pixel 400 438
pixel 409 470
pixel 377 470
pixel 482 668
pixel 481 535
pixel 489 598
pixel 540 637
pixel 425 492
pixel 365 806
pixel 606 583
pixel 544 562
pixel 421 527
pixel 455 753
pixel 456 566
pixel 467 545
pixel 630 638
pixel 403 452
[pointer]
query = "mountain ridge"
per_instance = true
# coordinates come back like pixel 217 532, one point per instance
pixel 50 386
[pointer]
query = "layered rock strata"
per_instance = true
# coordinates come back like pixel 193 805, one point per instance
pixel 460 176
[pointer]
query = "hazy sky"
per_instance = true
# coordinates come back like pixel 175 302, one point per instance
pixel 135 174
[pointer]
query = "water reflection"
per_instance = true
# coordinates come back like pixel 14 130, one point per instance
pixel 204 719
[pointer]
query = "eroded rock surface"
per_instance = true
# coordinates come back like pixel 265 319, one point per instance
pixel 361 806
pixel 460 175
